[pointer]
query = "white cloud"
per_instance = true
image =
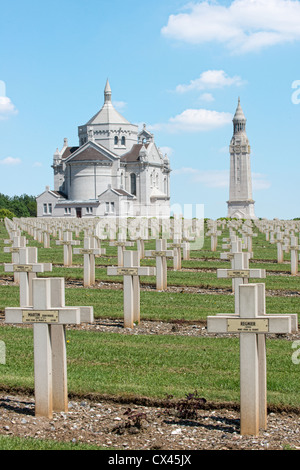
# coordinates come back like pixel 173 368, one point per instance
pixel 207 97
pixel 194 120
pixel 210 79
pixel 120 105
pixel 7 108
pixel 243 26
pixel 10 161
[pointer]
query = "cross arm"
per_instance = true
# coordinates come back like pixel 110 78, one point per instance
pixel 131 271
pixel 89 251
pixel 260 324
pixel 68 242
pixel 155 253
pixel 30 267
pixel 241 273
pixel 60 316
pixel 86 314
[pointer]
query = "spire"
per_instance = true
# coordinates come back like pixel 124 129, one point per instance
pixel 239 120
pixel 239 114
pixel 107 92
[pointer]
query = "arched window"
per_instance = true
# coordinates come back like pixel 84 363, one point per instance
pixel 133 184
pixel 123 140
pixel 116 140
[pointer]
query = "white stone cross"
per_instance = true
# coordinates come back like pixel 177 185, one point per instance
pixel 131 285
pixel 240 273
pixel 279 242
pixel 186 247
pixel 176 247
pixel 251 324
pixel 121 243
pixel 214 234
pixel 17 243
pixel 161 254
pixel 27 268
pixel 67 243
pixel 294 247
pixel 89 252
pixel 49 316
pixel 46 238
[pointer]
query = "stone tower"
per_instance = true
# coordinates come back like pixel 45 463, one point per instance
pixel 240 204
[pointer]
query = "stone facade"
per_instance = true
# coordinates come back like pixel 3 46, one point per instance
pixel 115 171
pixel 240 204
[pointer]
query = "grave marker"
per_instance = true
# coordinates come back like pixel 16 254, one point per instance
pixel 161 254
pixel 67 243
pixel 240 272
pixel 27 268
pixel 121 243
pixel 49 317
pixel 89 252
pixel 131 285
pixel 250 324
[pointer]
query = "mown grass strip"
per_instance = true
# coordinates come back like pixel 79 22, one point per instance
pixel 153 365
pixel 19 443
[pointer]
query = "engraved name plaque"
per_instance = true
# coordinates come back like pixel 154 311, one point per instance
pixel 18 268
pixel 158 253
pixel 40 316
pixel 244 325
pixel 128 271
pixel 238 273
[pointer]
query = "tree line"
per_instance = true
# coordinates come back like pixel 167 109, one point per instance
pixel 17 206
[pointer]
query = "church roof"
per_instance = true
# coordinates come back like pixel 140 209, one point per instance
pixel 69 151
pixel 133 154
pixel 90 154
pixel 107 114
pixel 90 151
pixel 119 192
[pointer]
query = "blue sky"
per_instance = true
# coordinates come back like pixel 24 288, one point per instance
pixel 177 66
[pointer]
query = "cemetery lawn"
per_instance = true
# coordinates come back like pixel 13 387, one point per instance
pixel 17 443
pixel 153 366
pixel 158 306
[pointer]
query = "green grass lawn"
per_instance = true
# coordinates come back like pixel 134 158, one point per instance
pixel 17 443
pixel 155 366
pixel 152 366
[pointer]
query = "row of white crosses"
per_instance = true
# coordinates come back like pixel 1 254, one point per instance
pixel 252 324
pixel 240 273
pixel 284 235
